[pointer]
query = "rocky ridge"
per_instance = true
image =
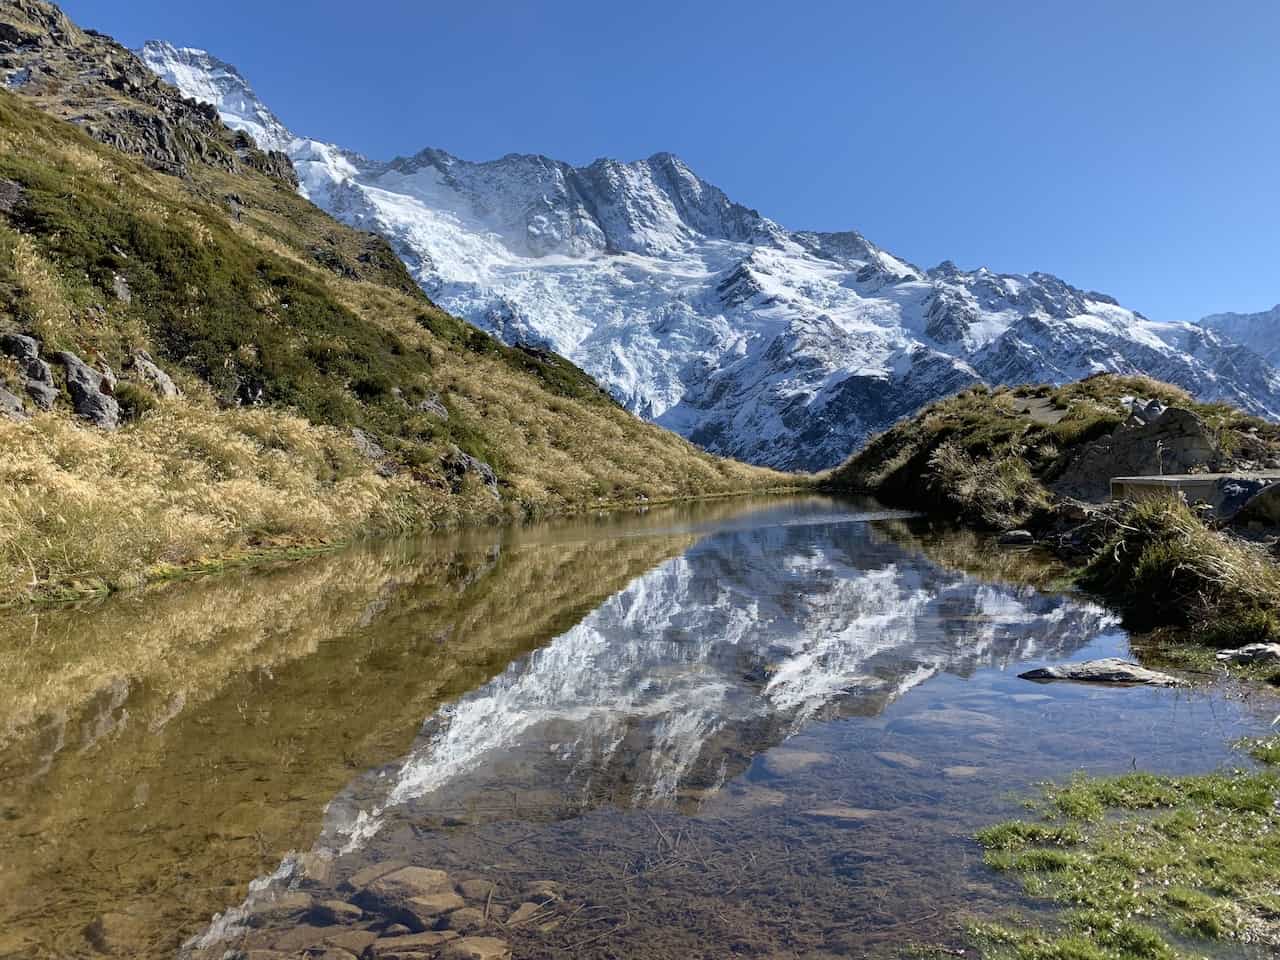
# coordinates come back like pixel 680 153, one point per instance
pixel 780 347
pixel 89 79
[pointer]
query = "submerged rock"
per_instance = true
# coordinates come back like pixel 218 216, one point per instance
pixel 90 391
pixel 414 896
pixel 902 761
pixel 477 948
pixel 843 814
pixel 409 944
pixel 1252 653
pixel 1107 670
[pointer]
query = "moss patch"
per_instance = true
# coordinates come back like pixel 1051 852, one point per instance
pixel 1147 866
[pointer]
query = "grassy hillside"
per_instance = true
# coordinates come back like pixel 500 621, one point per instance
pixel 979 455
pixel 995 459
pixel 285 330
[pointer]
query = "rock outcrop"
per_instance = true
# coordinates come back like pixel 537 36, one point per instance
pixel 1150 443
pixel 38 375
pixel 91 80
pixel 459 465
pixel 11 405
pixel 91 392
pixel 150 372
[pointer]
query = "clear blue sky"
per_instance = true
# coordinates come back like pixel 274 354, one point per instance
pixel 1131 147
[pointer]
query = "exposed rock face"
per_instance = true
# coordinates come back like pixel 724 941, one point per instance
pixel 432 406
pixel 1108 670
pixel 11 405
pixel 90 391
pixel 1261 331
pixel 10 195
pixel 37 373
pixel 91 80
pixel 1175 441
pixel 458 466
pixel 369 448
pixel 1261 509
pixel 158 380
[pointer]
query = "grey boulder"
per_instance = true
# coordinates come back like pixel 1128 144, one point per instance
pixel 459 465
pixel 90 391
pixel 158 380
pixel 11 406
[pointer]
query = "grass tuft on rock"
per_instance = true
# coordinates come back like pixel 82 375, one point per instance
pixel 1167 568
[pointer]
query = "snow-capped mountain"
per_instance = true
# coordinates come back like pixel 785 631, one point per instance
pixel 774 346
pixel 1258 331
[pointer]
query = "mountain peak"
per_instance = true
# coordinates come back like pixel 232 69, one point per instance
pixel 774 346
pixel 204 77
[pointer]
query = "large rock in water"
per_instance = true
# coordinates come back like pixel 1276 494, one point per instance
pixel 1175 441
pixel 90 391
pixel 1107 670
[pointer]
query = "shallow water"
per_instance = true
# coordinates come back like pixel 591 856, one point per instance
pixel 752 728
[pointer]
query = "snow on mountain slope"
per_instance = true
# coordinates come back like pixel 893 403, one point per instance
pixel 1258 331
pixel 773 346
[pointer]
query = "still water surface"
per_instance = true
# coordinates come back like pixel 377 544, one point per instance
pixel 751 728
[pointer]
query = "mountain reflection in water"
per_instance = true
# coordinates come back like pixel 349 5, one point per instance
pixel 673 684
pixel 535 702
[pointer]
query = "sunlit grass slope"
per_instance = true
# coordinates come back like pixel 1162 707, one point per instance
pixel 285 330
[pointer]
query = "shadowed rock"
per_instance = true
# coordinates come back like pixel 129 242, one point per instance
pixel 11 405
pixel 90 391
pixel 459 465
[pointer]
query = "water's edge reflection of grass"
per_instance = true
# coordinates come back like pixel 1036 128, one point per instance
pixel 143 767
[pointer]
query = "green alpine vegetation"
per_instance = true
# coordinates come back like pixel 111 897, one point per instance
pixel 1146 867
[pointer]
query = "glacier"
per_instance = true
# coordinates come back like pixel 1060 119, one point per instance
pixel 778 347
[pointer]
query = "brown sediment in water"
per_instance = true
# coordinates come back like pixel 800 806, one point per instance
pixel 160 752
